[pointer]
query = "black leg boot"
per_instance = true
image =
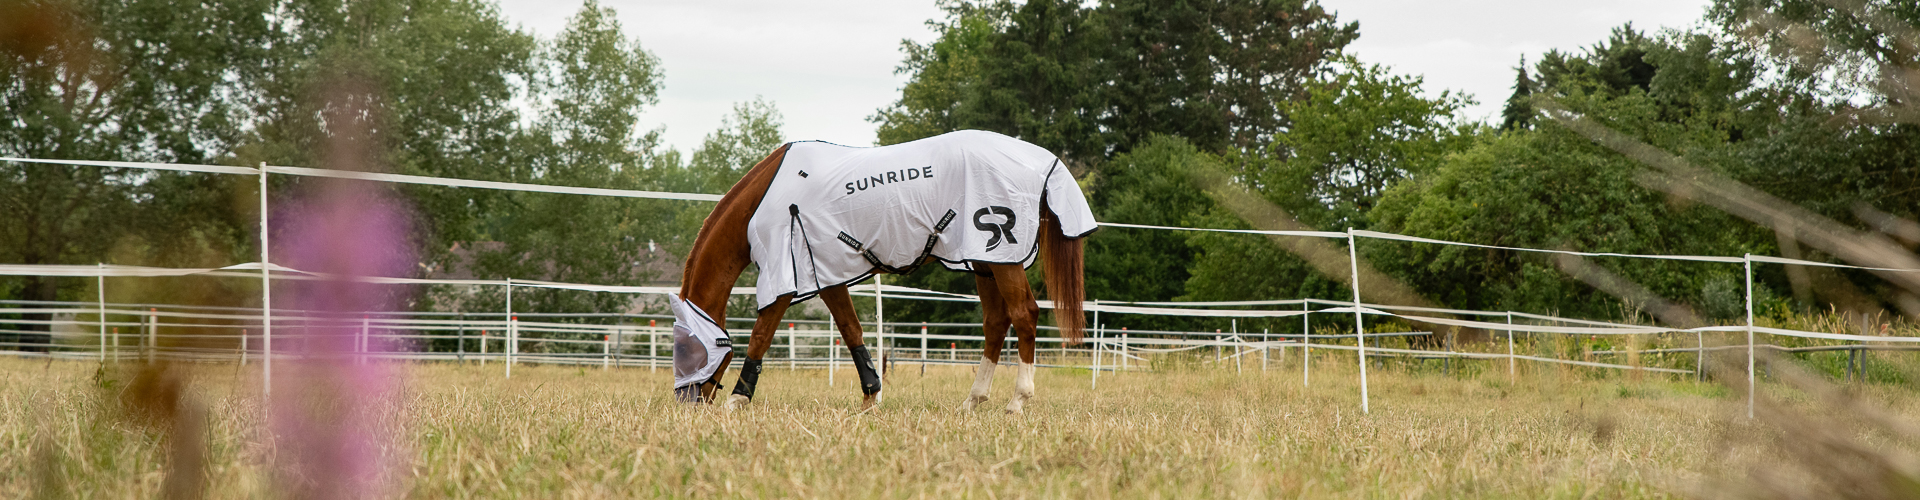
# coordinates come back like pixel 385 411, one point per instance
pixel 749 378
pixel 863 363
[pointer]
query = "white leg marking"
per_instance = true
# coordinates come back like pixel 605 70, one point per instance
pixel 1022 389
pixel 735 402
pixel 982 382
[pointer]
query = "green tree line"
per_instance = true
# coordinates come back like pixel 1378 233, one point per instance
pixel 448 87
pixel 1163 111
pixel 1149 99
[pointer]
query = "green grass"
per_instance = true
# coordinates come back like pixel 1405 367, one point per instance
pixel 1183 432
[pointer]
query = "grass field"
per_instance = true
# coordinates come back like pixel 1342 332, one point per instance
pixel 565 432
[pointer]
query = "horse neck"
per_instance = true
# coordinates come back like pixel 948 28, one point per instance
pixel 717 259
pixel 720 253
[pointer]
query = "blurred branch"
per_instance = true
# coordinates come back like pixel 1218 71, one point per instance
pixel 1675 176
pixel 1329 259
pixel 1840 447
pixel 1669 312
pixel 1905 39
pixel 1908 232
pixel 1808 48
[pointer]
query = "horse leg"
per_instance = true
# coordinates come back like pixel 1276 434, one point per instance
pixel 993 311
pixel 848 322
pixel 763 329
pixel 711 388
pixel 1024 313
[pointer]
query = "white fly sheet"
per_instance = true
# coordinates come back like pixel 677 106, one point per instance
pixel 835 214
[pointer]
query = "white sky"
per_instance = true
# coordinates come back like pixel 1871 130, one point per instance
pixel 828 64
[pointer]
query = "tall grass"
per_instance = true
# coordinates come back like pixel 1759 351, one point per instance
pixel 67 430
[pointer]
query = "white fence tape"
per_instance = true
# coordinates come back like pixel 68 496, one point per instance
pixel 504 186
pixel 1596 328
pixel 1798 262
pixel 1416 239
pixel 1315 234
pixel 379 177
pixel 629 193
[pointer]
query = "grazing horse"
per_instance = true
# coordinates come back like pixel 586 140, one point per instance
pixel 894 208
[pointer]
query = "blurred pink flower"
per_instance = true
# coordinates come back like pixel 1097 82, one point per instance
pixel 329 413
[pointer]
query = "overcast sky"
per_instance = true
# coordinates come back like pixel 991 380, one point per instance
pixel 828 64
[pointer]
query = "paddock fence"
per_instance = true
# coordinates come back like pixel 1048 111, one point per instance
pixel 507 337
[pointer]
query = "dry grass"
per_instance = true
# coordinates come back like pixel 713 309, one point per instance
pixel 573 432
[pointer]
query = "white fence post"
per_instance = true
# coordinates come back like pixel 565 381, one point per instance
pixel 1700 357
pixel 153 336
pixel 1512 372
pixel 103 312
pixel 512 335
pixel 1751 387
pixel 1234 325
pixel 1359 330
pixel 1095 384
pixel 266 295
pixel 1306 343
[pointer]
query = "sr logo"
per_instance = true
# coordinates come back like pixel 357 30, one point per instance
pixel 998 230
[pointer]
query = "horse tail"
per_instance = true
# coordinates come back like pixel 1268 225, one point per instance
pixel 1065 276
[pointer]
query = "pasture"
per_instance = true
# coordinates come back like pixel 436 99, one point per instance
pixel 574 432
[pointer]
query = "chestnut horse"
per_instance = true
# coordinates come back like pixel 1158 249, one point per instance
pixel 721 253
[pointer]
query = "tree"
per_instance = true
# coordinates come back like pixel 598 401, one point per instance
pixel 1214 72
pixel 1550 187
pixel 1613 67
pixel 1154 185
pixel 1093 83
pixel 137 80
pixel 1027 71
pixel 1862 53
pixel 1834 127
pixel 592 83
pixel 745 137
pixel 1518 114
pixel 439 78
pixel 1353 136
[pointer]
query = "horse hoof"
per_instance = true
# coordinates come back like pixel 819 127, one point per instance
pixel 1016 407
pixel 735 402
pixel 971 401
pixel 870 401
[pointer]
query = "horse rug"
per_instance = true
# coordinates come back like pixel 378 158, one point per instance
pixel 835 215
